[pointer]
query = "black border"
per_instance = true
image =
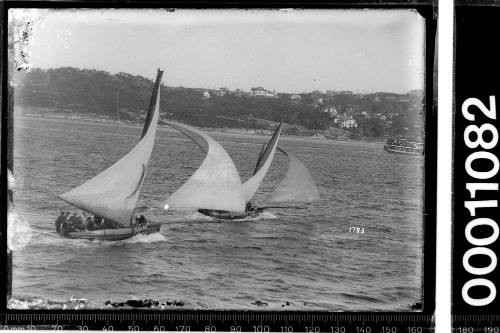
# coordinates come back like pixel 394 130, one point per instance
pixel 427 8
pixel 476 74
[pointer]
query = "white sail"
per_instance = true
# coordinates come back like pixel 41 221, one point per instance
pixel 263 164
pixel 297 185
pixel 215 185
pixel 113 193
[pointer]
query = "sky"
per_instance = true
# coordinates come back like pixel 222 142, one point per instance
pixel 289 51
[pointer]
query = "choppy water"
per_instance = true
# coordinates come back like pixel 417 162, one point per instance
pixel 307 257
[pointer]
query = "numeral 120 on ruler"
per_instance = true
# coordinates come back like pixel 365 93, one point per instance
pixel 222 321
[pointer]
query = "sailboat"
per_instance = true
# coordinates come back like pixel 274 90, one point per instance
pixel 215 189
pixel 113 193
pixel 251 186
pixel 297 187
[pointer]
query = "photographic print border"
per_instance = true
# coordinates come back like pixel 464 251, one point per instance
pixel 427 9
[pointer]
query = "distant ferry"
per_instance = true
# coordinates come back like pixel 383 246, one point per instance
pixel 405 146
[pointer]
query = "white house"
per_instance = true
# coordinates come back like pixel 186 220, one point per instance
pixel 259 91
pixel 206 94
pixel 348 123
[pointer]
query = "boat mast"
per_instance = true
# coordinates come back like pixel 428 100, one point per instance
pixel 117 111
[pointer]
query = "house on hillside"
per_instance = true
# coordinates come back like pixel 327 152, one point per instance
pixel 259 91
pixel 346 121
pixel 239 93
pixel 295 97
pixel 332 111
pixel 222 91
pixel 206 95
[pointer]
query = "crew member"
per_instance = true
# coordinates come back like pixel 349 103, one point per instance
pixel 80 223
pixel 142 220
pixel 97 222
pixel 249 207
pixel 59 221
pixel 89 224
pixel 66 228
pixel 76 222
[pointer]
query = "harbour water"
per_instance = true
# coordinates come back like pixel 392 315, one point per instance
pixel 304 256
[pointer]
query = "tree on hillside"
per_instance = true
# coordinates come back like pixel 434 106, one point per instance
pixel 95 92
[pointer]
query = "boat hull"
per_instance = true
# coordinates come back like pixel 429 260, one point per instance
pixel 114 234
pixel 225 215
pixel 406 151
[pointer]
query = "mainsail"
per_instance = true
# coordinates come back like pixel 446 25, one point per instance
pixel 114 192
pixel 215 185
pixel 297 185
pixel 263 163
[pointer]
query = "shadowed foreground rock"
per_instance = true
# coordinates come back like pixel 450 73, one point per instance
pixel 143 303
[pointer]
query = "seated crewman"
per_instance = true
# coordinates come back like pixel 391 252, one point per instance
pixel 59 221
pixel 97 222
pixel 249 207
pixel 89 224
pixel 66 228
pixel 73 221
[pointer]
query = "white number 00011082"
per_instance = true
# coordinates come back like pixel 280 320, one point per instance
pixel 475 138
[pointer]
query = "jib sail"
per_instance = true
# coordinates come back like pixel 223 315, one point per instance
pixel 297 185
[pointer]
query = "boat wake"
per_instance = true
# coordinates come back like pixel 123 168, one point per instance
pixel 193 216
pixel 265 215
pixel 141 238
pixel 45 238
pixel 19 232
pixel 52 239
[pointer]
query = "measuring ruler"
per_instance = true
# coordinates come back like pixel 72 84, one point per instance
pixel 182 321
pixel 476 323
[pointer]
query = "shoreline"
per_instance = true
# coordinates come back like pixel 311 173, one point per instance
pixel 211 130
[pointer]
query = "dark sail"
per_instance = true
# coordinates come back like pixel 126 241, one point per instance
pixel 152 103
pixel 265 152
pixel 263 164
pixel 259 159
